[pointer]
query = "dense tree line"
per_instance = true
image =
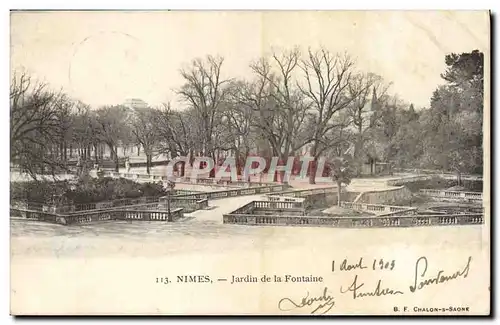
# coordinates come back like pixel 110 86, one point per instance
pixel 317 103
pixel 448 135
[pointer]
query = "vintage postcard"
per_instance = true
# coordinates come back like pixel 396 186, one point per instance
pixel 250 163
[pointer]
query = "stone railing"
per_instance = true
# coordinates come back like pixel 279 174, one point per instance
pixel 269 205
pixel 277 205
pixel 409 211
pixel 438 173
pixel 313 198
pixel 96 205
pixel 183 180
pixel 253 213
pixel 86 206
pixel 147 215
pixel 245 209
pixel 96 216
pixel 379 209
pixel 236 192
pixel 176 192
pixel 279 198
pixel 219 182
pixel 187 204
pixel 457 195
pixel 462 177
pixel 354 222
pixel 210 184
pixel 305 192
pixel 408 179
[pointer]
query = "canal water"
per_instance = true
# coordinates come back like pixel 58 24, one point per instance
pixel 139 238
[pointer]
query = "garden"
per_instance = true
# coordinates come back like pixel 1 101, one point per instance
pixel 83 191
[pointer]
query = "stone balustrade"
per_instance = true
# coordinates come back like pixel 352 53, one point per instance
pixel 87 217
pixel 277 205
pixel 236 192
pixel 96 205
pixel 457 195
pixel 439 173
pixel 182 180
pixel 306 192
pixel 245 209
pixel 354 222
pixel 379 209
pixel 187 204
pixel 279 198
pixel 408 179
pixel 219 182
pixel 393 216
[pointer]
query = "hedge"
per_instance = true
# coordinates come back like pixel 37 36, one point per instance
pixel 83 191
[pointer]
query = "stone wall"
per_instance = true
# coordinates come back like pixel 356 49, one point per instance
pixel 326 200
pixel 278 212
pixel 389 196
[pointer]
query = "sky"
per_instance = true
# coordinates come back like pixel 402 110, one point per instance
pixel 104 58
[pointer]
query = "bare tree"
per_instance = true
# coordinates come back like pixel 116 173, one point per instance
pixel 204 91
pixel 278 104
pixel 112 129
pixel 327 78
pixel 237 132
pixel 64 115
pixel 145 132
pixel 176 132
pixel 367 92
pixel 34 125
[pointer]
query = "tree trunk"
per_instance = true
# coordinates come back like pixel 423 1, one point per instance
pixel 61 150
pixel 212 171
pixel 117 163
pixel 138 150
pixel 183 168
pixel 275 177
pixel 246 157
pixel 65 151
pixel 358 151
pixel 313 166
pixel 70 150
pixel 95 154
pixel 283 172
pixel 237 161
pixel 191 157
pixel 114 157
pixel 459 178
pixel 148 163
pixel 339 190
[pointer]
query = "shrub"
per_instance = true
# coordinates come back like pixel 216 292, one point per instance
pixel 91 190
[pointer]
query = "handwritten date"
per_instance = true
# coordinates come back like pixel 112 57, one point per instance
pixel 378 264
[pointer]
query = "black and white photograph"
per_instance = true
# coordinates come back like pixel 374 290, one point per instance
pixel 250 163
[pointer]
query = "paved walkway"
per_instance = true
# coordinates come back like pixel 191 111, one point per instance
pixel 217 208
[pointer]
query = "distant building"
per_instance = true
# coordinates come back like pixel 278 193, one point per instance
pixel 135 103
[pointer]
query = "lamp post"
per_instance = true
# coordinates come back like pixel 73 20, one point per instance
pixel 170 187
